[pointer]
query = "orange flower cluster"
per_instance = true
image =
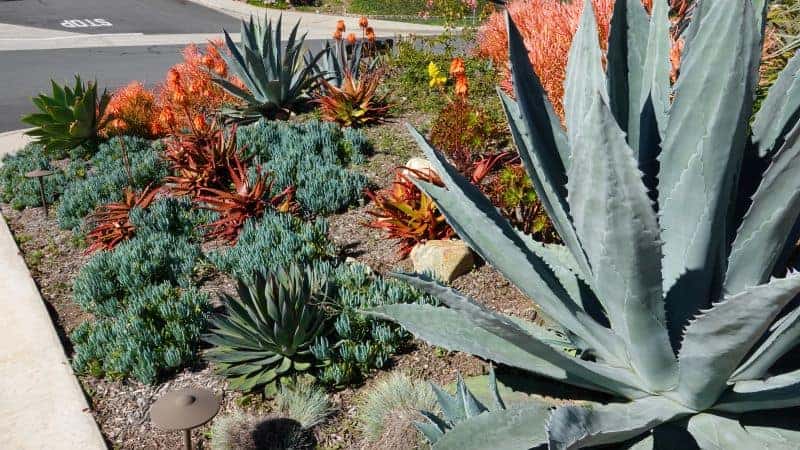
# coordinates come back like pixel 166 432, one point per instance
pixel 459 73
pixel 367 32
pixel 189 95
pixel 547 27
pixel 132 110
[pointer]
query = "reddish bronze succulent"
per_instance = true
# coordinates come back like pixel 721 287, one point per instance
pixel 201 160
pixel 247 200
pixel 406 214
pixel 112 223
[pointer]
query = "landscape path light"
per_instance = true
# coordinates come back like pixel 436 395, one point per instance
pixel 40 174
pixel 184 410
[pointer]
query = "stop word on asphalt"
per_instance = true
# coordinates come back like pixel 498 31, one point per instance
pixel 85 23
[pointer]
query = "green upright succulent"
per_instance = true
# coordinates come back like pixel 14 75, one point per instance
pixel 276 77
pixel 68 118
pixel 267 332
pixel 677 218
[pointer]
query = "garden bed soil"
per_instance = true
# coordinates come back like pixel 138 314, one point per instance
pixel 121 407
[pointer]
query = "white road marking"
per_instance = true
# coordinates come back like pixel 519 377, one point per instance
pixel 85 23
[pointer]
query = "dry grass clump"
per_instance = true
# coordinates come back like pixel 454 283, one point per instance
pixel 240 431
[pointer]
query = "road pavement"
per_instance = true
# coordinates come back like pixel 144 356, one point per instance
pixel 27 73
pixel 116 16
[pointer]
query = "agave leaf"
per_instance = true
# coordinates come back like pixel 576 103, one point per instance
pixel 541 124
pixel 585 75
pixel 773 213
pixel 627 50
pixel 574 426
pixel 520 428
pixel 499 404
pixel 617 225
pixel 704 142
pixel 543 166
pixel 780 111
pixel 497 338
pixel 655 83
pixel 236 61
pixel 784 335
pixel 713 432
pixel 432 431
pixel 482 227
pixel 778 392
pixel 716 342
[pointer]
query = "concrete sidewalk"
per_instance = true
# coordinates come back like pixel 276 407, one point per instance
pixel 42 405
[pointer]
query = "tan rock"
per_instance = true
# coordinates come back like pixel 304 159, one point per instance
pixel 443 259
pixel 420 165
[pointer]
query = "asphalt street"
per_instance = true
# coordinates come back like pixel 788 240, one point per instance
pixel 25 74
pixel 116 16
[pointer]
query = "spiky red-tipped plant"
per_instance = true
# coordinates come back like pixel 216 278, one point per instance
pixel 406 214
pixel 356 103
pixel 112 223
pixel 248 199
pixel 201 160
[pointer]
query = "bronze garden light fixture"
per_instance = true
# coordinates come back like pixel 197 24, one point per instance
pixel 184 410
pixel 39 174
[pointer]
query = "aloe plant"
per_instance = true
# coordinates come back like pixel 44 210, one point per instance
pixel 276 77
pixel 69 117
pixel 677 218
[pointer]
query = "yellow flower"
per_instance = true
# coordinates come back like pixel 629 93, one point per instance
pixel 437 79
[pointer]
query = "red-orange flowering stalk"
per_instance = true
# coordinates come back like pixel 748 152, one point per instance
pixel 189 91
pixel 133 111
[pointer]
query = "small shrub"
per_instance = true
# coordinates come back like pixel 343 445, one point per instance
pixel 387 410
pixel 241 431
pixel 360 344
pixel 156 331
pixel 133 111
pixel 108 177
pixel 276 240
pixel 463 132
pixel 304 401
pixel 147 317
pixel 312 157
pixel 21 192
pixel 512 191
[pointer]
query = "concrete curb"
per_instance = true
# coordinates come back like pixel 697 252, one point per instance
pixel 12 141
pixel 42 405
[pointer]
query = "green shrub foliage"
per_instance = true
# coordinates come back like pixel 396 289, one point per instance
pixel 360 344
pixel 148 318
pixel 108 177
pixel 276 240
pixel 156 330
pixel 174 215
pixel 311 156
pixel 21 192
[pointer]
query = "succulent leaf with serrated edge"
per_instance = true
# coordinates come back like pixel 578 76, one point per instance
pixel 676 221
pixel 276 77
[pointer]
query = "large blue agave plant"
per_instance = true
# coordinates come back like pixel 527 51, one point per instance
pixel 677 217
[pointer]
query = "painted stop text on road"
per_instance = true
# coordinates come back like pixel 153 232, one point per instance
pixel 86 23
